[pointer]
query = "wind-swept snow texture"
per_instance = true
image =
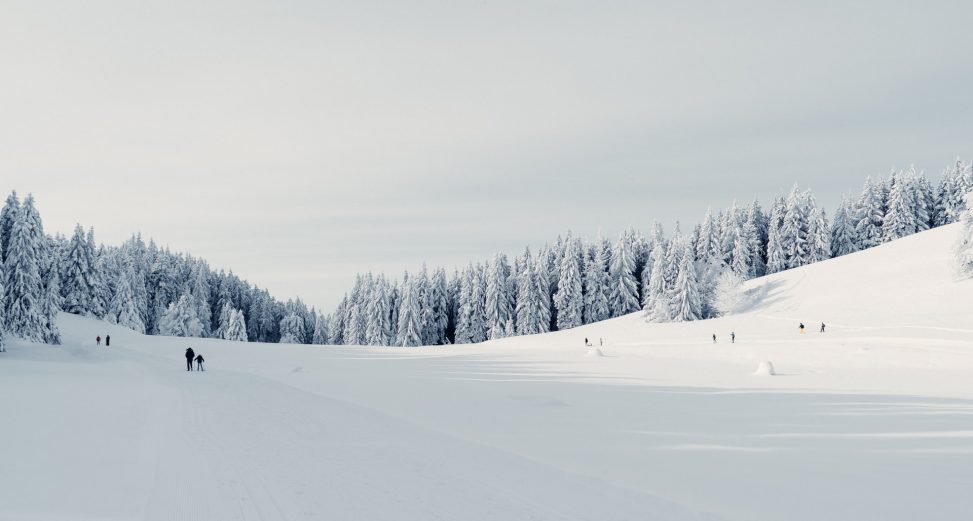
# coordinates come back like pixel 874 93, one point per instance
pixel 871 420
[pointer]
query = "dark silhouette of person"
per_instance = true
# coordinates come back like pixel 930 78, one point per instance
pixel 190 355
pixel 802 328
pixel 199 362
pixel 107 340
pixel 714 338
pixel 98 340
pixel 733 338
pixel 822 327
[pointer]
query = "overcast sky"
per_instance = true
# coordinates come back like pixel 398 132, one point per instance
pixel 300 142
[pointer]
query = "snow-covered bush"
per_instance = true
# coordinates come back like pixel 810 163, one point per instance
pixel 728 293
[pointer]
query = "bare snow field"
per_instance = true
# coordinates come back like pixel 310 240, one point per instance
pixel 871 420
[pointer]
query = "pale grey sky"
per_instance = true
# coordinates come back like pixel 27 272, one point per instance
pixel 299 142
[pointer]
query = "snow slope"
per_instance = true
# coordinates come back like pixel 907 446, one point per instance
pixel 871 420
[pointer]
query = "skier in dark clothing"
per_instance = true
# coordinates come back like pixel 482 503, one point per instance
pixel 107 340
pixel 822 327
pixel 98 340
pixel 190 355
pixel 802 328
pixel 714 338
pixel 733 338
pixel 199 362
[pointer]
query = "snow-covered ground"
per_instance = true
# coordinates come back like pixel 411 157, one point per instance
pixel 871 420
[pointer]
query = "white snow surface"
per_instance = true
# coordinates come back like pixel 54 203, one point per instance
pixel 871 420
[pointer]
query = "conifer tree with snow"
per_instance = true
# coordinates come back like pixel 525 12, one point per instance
pixel 76 287
pixel 843 235
pixel 499 313
pixel 532 315
pixel 596 288
pixel 686 302
pixel 7 217
pixel 321 336
pixel 292 329
pixel 99 287
pixel 870 215
pixel 378 329
pixel 410 316
pixel 236 329
pixel 123 309
pixel 182 318
pixel 656 305
pixel 900 217
pixel 728 293
pixel 51 301
pixel 623 298
pixel 569 299
pixel 23 286
pixel 439 307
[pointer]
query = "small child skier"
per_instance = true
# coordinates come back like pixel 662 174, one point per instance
pixel 199 362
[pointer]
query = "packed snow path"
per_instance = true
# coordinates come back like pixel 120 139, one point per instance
pixel 872 420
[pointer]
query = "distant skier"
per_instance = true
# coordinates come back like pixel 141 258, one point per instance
pixel 601 342
pixel 586 341
pixel 822 327
pixel 190 355
pixel 98 340
pixel 199 362
pixel 733 337
pixel 802 328
pixel 107 340
pixel 714 338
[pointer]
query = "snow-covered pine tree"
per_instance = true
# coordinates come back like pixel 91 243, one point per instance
pixel 123 309
pixel 869 215
pixel 51 302
pixel 596 286
pixel 24 288
pixel 499 314
pixel 7 217
pixel 623 297
pixel 686 302
pixel 439 302
pixel 182 318
pixel 741 255
pixel 844 239
pixel 531 299
pixel 708 244
pixel 100 294
pixel 76 276
pixel 378 330
pixel 321 336
pixel 292 329
pixel 794 231
pixel 900 218
pixel 818 233
pixel 410 316
pixel 569 298
pixel 656 304
pixel 236 330
pixel 200 293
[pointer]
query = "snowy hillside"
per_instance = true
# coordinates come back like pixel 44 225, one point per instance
pixel 870 420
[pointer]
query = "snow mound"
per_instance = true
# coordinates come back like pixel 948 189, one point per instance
pixel 596 353
pixel 765 368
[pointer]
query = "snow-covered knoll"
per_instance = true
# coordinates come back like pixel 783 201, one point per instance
pixel 871 420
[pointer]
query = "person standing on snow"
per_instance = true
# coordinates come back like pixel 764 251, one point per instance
pixel 190 355
pixel 714 338
pixel 733 337
pixel 98 340
pixel 107 340
pixel 199 362
pixel 822 327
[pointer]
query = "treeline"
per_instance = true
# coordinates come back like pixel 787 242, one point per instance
pixel 686 276
pixel 143 287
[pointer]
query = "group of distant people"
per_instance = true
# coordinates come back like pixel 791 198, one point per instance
pixel 107 340
pixel 589 344
pixel 733 335
pixel 192 356
pixel 801 328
